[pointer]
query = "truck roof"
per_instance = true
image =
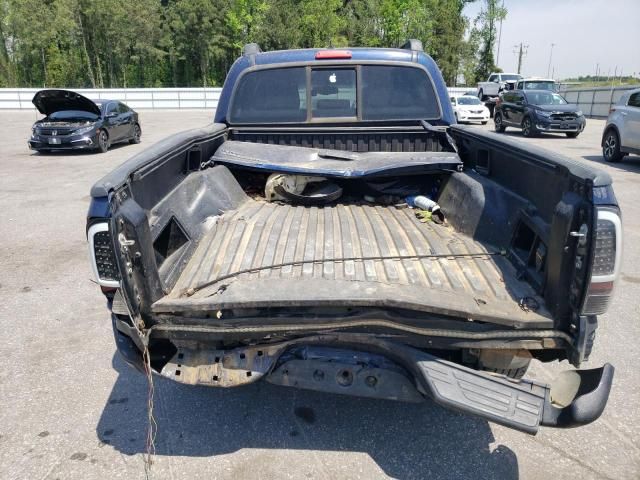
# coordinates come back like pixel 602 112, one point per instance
pixel 537 79
pixel 253 58
pixel 358 53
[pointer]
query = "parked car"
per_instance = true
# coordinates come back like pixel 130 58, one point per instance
pixel 538 111
pixel 468 108
pixel 621 134
pixel 278 244
pixel 73 122
pixel 536 84
pixel 496 83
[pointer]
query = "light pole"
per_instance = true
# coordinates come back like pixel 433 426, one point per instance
pixel 521 50
pixel 499 39
pixel 550 57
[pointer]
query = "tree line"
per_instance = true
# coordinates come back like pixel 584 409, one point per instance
pixel 178 43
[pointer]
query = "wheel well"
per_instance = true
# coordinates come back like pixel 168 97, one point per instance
pixel 101 129
pixel 606 131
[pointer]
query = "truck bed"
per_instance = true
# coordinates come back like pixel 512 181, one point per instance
pixel 259 234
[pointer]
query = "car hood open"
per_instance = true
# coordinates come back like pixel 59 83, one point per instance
pixel 51 101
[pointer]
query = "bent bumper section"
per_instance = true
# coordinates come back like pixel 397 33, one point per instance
pixel 360 365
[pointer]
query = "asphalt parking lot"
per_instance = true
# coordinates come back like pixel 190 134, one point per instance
pixel 71 409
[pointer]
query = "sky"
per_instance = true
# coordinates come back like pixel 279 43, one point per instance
pixel 585 32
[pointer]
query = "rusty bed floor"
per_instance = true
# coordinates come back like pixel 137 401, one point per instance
pixel 260 234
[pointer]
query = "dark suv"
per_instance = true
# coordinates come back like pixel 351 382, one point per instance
pixel 537 111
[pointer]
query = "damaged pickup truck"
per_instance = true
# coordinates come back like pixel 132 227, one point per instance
pixel 285 243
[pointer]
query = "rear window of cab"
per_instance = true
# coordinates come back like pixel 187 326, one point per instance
pixel 334 93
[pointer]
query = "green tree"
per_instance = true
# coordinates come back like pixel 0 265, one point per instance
pixel 321 23
pixel 33 26
pixel 244 18
pixel 469 58
pixel 7 69
pixel 78 43
pixel 363 20
pixel 200 37
pixel 403 19
pixel 281 26
pixel 486 26
pixel 447 38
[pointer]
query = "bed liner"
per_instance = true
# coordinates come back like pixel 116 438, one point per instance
pixel 259 234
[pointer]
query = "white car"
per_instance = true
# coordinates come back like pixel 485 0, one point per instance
pixel 469 108
pixel 622 131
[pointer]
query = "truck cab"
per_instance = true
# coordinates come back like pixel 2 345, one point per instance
pixel 334 230
pixel 536 84
pixel 496 83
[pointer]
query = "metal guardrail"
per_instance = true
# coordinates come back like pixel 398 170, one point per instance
pixel 460 90
pixel 596 102
pixel 140 98
pixel 137 98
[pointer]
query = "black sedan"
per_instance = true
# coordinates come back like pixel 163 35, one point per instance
pixel 73 122
pixel 538 111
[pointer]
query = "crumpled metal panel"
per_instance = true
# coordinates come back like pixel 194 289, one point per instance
pixel 220 368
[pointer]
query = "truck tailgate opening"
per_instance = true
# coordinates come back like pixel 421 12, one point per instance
pixel 447 272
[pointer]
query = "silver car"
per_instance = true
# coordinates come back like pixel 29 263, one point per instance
pixel 622 132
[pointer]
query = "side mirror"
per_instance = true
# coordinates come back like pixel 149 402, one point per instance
pixel 111 115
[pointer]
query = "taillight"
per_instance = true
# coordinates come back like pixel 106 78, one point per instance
pixel 103 260
pixel 607 253
pixel 333 54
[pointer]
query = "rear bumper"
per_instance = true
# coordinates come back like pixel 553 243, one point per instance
pixel 360 365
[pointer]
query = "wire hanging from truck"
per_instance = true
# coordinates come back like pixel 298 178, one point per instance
pixel 191 291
